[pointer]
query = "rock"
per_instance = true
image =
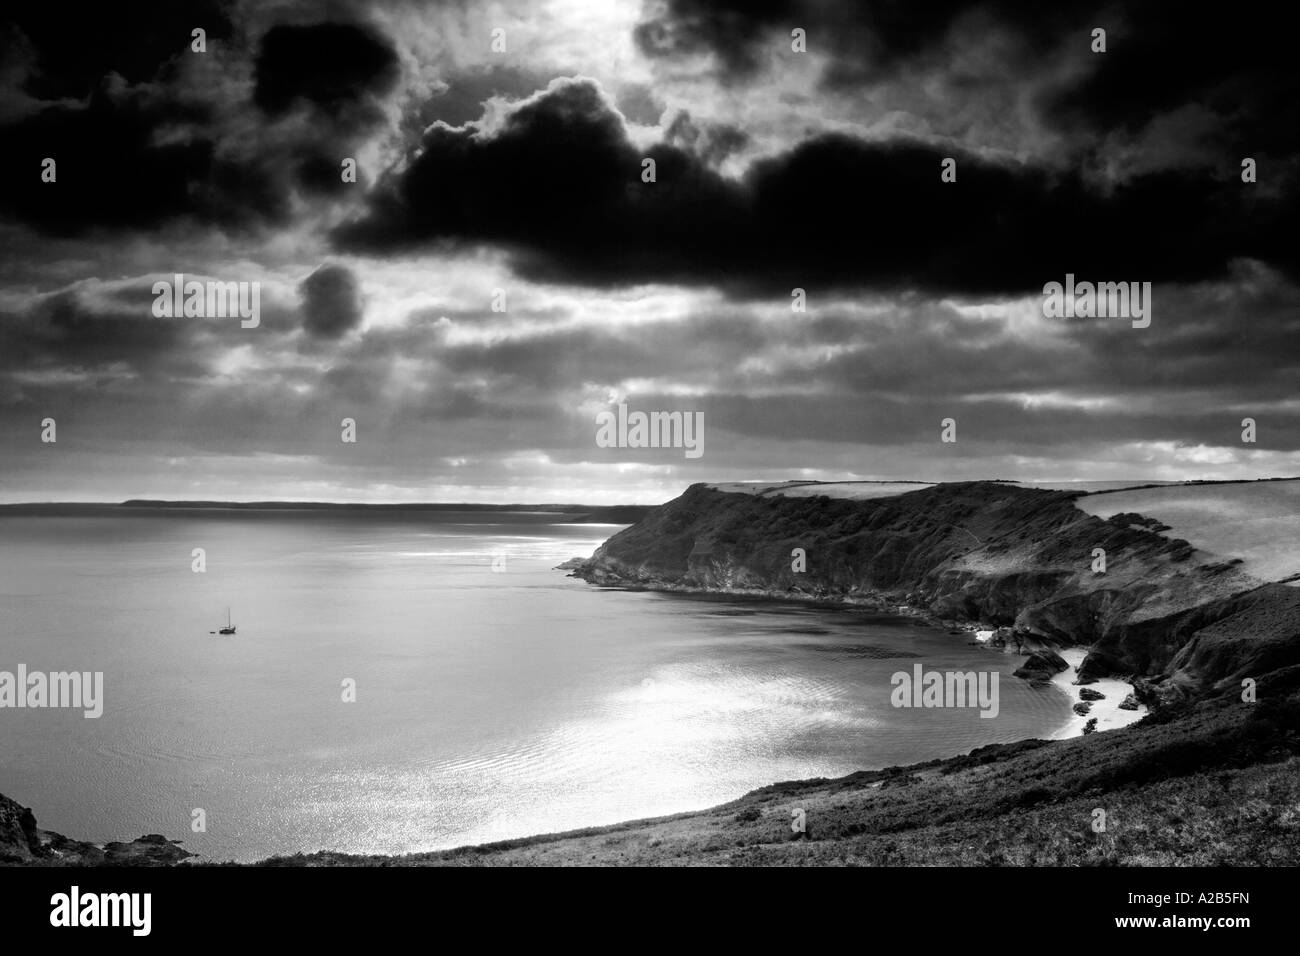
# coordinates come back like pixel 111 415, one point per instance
pixel 148 850
pixel 1087 694
pixel 1041 666
pixel 1003 637
pixel 1129 703
pixel 18 834
pixel 1090 726
pixel 573 564
pixel 1082 708
pixel 56 848
pixel 21 842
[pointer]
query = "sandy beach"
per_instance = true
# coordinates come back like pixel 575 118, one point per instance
pixel 1107 711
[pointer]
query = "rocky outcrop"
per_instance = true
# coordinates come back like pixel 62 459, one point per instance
pixel 1041 667
pixel 989 552
pixel 22 842
pixel 18 839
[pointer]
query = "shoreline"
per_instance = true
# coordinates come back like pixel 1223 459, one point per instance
pixel 971 633
pixel 155 849
pixel 1107 711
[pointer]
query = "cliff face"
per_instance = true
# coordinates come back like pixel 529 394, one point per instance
pixel 18 835
pixel 975 551
pixel 22 843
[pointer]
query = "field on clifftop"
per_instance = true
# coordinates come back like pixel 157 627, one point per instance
pixel 1257 521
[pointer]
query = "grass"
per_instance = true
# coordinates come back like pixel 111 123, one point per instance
pixel 1258 522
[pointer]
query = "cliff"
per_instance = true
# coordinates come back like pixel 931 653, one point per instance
pixel 1189 621
pixel 23 843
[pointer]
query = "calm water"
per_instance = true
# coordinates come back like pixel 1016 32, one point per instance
pixel 489 705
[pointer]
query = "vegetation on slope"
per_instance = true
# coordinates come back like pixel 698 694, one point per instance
pixel 979 551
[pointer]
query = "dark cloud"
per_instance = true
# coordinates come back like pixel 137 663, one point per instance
pixel 324 85
pixel 865 38
pixel 711 142
pixel 1157 63
pixel 1115 167
pixel 331 302
pixel 112 168
pixel 331 65
pixel 135 158
pixel 1158 60
pixel 77 44
pixel 560 184
pixel 173 139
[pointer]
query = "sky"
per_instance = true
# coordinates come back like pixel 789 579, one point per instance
pixel 501 272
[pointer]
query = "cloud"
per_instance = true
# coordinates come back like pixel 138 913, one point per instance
pixel 1237 79
pixel 77 45
pixel 865 38
pixel 711 142
pixel 331 302
pixel 176 139
pixel 479 170
pixel 112 167
pixel 558 182
pixel 333 66
pixel 464 92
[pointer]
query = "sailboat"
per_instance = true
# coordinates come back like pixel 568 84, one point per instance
pixel 229 628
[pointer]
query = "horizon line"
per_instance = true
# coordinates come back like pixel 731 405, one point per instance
pixel 310 503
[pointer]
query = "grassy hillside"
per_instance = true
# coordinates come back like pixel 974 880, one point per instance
pixel 991 552
pixel 1257 522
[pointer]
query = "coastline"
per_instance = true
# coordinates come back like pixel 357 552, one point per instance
pixel 1001 804
pixel 1106 711
pixel 157 850
pixel 1082 639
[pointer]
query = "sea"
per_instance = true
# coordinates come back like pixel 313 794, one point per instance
pixel 401 682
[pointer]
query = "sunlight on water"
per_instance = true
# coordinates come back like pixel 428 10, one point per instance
pixel 489 704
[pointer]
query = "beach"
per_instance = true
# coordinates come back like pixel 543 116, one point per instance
pixel 1107 710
